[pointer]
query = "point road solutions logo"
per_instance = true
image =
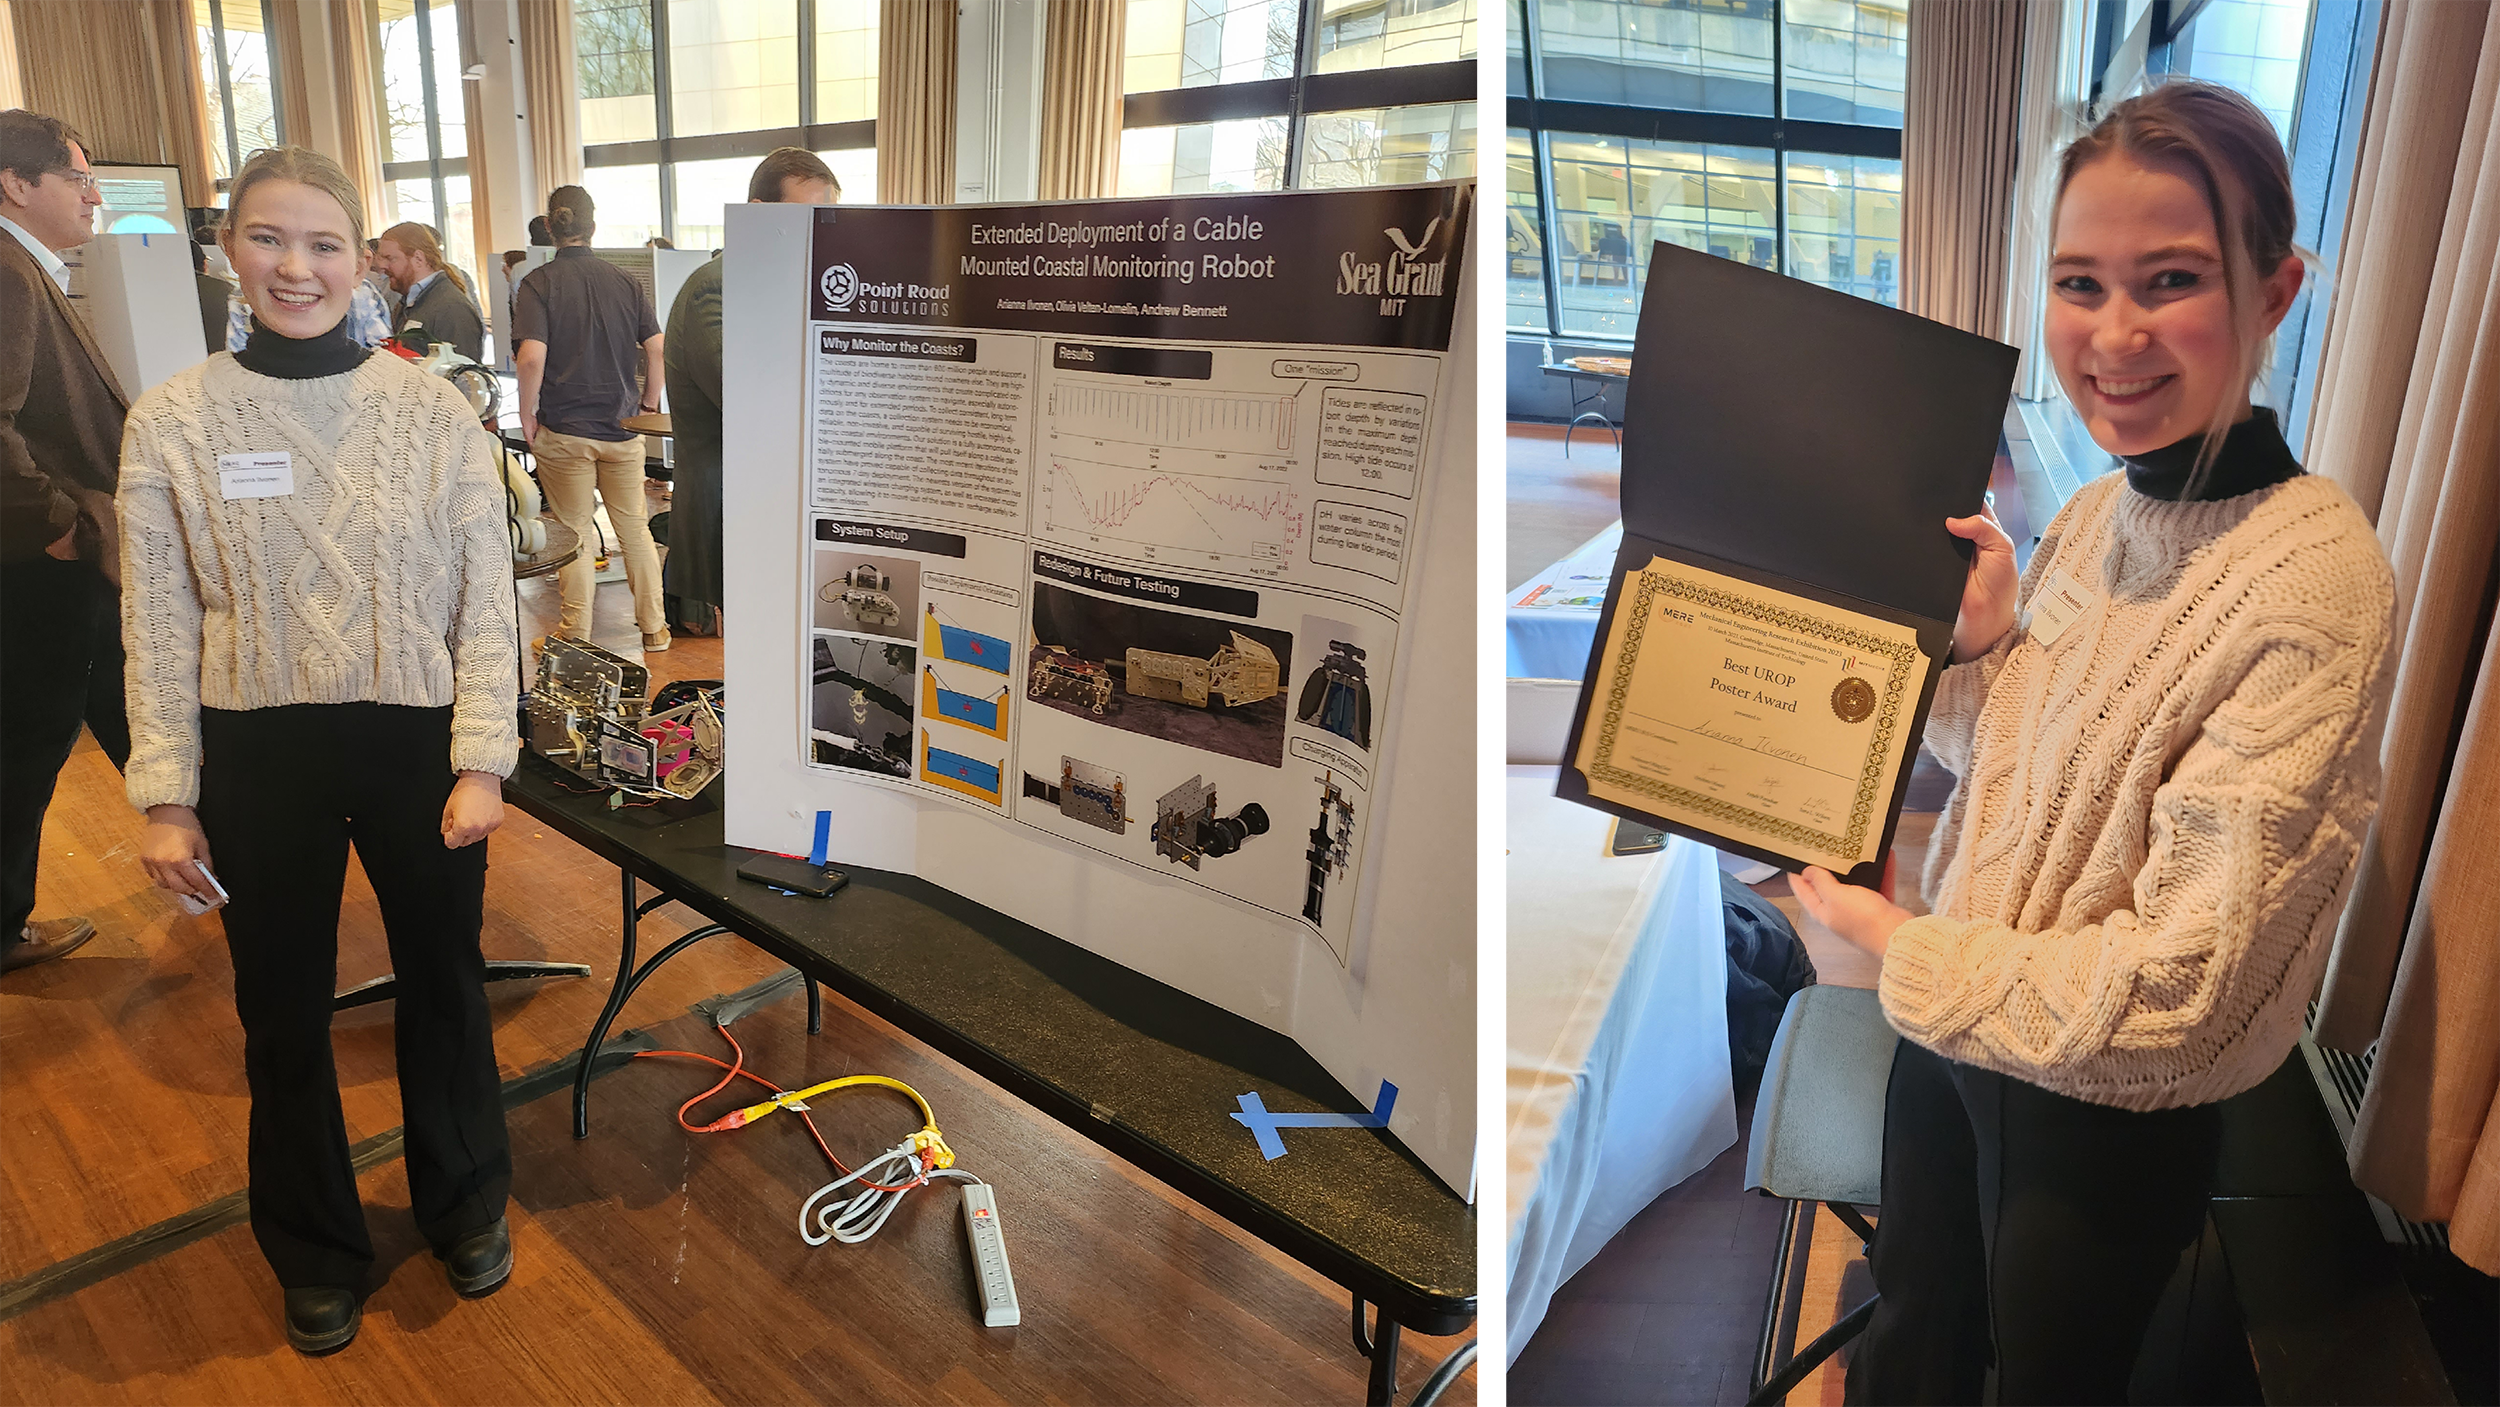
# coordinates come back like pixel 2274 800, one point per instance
pixel 1405 274
pixel 844 291
pixel 840 285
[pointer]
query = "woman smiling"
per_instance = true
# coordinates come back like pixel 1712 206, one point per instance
pixel 319 618
pixel 2160 799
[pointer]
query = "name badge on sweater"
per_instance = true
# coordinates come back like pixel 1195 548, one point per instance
pixel 256 475
pixel 2060 600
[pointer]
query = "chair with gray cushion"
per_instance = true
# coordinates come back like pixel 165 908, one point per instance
pixel 1818 1137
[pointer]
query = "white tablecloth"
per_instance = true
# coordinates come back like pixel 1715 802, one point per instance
pixel 1550 623
pixel 1618 1068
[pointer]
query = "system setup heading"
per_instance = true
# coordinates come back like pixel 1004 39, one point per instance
pixel 1170 233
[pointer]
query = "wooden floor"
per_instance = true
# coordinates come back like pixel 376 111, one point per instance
pixel 1553 500
pixel 653 1266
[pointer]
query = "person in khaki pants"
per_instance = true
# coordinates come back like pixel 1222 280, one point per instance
pixel 581 331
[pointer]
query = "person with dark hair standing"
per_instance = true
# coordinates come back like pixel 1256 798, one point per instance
pixel 61 413
pixel 588 352
pixel 788 176
pixel 539 238
pixel 323 655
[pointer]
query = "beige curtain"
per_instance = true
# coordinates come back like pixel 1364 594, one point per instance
pixel 1958 150
pixel 356 89
pixel 183 97
pixel 2407 418
pixel 553 88
pixel 126 75
pixel 292 57
pixel 481 185
pixel 12 94
pixel 916 102
pixel 1081 96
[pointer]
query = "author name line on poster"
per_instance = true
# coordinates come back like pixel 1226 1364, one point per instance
pixel 1131 310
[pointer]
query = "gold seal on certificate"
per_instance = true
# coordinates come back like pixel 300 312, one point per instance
pixel 1767 718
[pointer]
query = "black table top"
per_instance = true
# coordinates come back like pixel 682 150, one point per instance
pixel 1146 1070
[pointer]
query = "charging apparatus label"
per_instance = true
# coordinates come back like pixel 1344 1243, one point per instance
pixel 255 475
pixel 2061 600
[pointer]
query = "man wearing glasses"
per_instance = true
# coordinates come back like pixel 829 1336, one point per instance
pixel 60 549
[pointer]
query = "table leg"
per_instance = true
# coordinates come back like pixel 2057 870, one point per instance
pixel 1380 1345
pixel 1446 1374
pixel 607 1014
pixel 815 1008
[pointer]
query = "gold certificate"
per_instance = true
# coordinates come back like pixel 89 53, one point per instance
pixel 1762 717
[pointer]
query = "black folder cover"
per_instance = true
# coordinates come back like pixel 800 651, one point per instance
pixel 1807 440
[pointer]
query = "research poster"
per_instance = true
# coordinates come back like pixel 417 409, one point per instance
pixel 1112 513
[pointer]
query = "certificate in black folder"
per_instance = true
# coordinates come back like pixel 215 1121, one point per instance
pixel 1784 599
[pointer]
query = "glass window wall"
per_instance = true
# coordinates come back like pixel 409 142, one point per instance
pixel 1246 155
pixel 613 65
pixel 733 66
pixel 628 204
pixel 234 76
pixel 1844 224
pixel 715 85
pixel 1389 146
pixel 1523 223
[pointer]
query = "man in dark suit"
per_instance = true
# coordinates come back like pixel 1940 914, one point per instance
pixel 692 574
pixel 60 548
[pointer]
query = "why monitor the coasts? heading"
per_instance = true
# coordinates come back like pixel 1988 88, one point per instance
pixel 1209 268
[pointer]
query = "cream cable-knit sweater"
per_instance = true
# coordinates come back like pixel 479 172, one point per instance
pixel 385 577
pixel 2142 864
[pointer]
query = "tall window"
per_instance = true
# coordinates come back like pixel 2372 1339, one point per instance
pixel 680 99
pixel 234 73
pixel 425 137
pixel 1251 95
pixel 1766 131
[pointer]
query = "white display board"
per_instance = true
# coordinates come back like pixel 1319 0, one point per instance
pixel 1109 563
pixel 141 302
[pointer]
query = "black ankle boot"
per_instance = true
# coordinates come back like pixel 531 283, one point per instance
pixel 481 1261
pixel 322 1318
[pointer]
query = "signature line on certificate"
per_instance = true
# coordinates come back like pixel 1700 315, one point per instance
pixel 1754 748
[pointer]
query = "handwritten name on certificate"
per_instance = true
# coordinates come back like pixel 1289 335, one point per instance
pixel 1765 718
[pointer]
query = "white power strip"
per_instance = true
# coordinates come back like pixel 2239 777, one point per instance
pixel 989 1257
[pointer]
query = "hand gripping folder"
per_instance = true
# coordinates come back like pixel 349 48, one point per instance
pixel 1805 440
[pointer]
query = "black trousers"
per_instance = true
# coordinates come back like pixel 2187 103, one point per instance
pixel 2025 1228
pixel 283 793
pixel 60 668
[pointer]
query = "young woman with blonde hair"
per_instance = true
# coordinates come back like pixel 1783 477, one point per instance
pixel 319 620
pixel 2159 803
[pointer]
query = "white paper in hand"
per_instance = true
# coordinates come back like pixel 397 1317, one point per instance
pixel 201 906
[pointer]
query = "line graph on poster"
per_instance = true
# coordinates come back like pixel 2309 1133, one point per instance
pixel 1171 515
pixel 1193 419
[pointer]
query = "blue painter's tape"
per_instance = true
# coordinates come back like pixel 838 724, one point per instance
pixel 973 648
pixel 1263 1125
pixel 824 838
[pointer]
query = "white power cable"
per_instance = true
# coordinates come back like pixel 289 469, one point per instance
pixel 853 1219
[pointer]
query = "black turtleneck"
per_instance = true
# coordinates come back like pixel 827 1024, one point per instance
pixel 2253 457
pixel 301 358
